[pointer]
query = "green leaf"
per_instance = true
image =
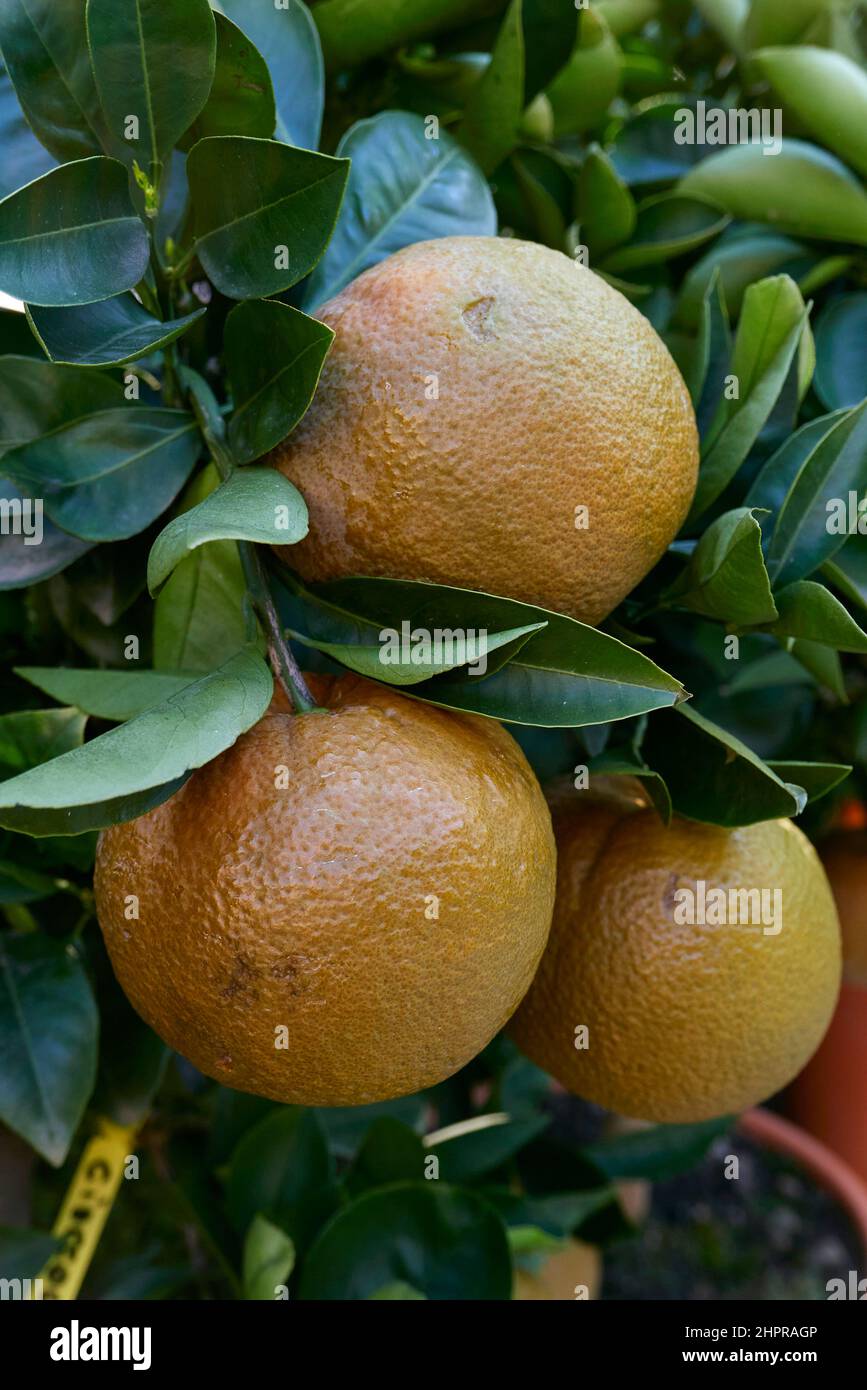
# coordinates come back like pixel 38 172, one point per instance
pixel 132 1059
pixel 472 1148
pixel 583 90
pixel 814 518
pixel 444 1242
pixel 402 188
pixel 802 190
pixel 657 1153
pixel 810 611
pixel 823 664
pixel 398 1292
pixel 152 62
pixel 20 885
pixel 241 100
pixel 713 352
pixel 199 619
pixel 253 504
pixel 34 736
pixel 263 212
pixel 283 1169
pixel 111 474
pixel 114 695
pixel 626 762
pixel 841 351
pixel 667 225
pixel 848 570
pixel 107 334
pixel 355 30
pixel 414 665
pixel 269 1257
pixel 492 115
pixel 72 236
pixel 565 675
pixel 390 1152
pixel 826 91
pixel 741 257
pixel 38 397
pixel 22 560
pixel 24 159
pixel 817 779
pixel 135 766
pixel 290 42
pixel 23 1253
pixel 48 1033
pixel 45 50
pixel 274 356
pixel 770 329
pixel 725 577
pixel 605 205
pixel 712 776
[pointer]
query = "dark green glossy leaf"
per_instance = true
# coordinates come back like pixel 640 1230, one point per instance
pixel 803 190
pixel 253 504
pixel 283 1169
pixel 713 776
pixel 706 380
pixel 113 695
pixel 817 515
pixel 443 1242
pixel 289 41
pixel 24 159
pixel 154 63
pixel 402 188
pixel 667 225
pixel 38 397
pixel 389 1152
pixel 269 1255
pixel 72 236
pixel 769 331
pixel 241 100
pixel 725 577
pixel 841 352
pixel 199 618
pixel 823 664
pixel 45 49
pixel 817 779
pixel 99 783
pixel 274 356
pixel 107 334
pixel 474 1149
pixel 48 1032
pixel 848 569
pixel 263 212
pixel 34 736
pixel 826 91
pixel 22 560
pixel 810 611
pixel 658 1152
pixel 111 474
pixel 414 664
pixel 567 674
pixel 605 205
pixel 645 151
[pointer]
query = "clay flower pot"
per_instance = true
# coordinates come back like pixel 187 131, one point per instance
pixel 829 1098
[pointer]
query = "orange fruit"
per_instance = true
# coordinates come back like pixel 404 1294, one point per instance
pixel 341 908
pixel 576 1267
pixel 683 1021
pixel 480 393
pixel 844 855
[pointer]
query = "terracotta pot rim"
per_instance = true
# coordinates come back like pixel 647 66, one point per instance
pixel 774 1132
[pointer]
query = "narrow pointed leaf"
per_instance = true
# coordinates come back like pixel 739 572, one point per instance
pixel 826 91
pixel 725 577
pixel 810 611
pixel 140 763
pixel 289 40
pixel 241 99
pixel 107 334
pixel 112 695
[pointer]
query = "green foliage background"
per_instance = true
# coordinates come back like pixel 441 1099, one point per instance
pixel 166 349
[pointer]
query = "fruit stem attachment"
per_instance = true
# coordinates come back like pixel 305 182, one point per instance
pixel 283 664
